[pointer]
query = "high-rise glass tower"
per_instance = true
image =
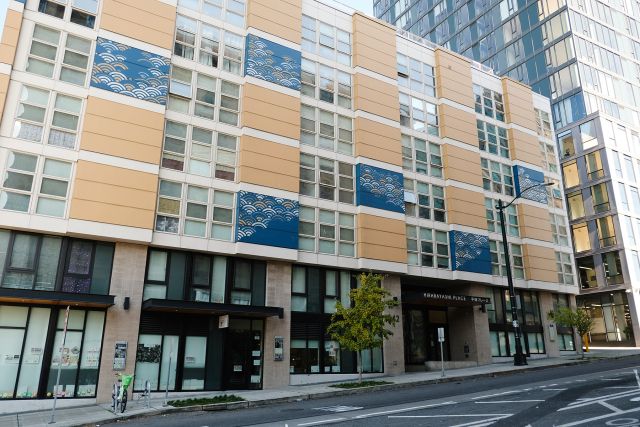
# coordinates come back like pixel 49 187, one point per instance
pixel 584 55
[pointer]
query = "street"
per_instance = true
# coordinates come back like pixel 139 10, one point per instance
pixel 600 393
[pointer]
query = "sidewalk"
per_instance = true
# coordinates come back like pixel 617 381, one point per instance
pixel 102 414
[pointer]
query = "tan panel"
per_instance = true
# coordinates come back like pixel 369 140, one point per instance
pixel 121 130
pixel 377 141
pixel 458 124
pixel 376 97
pixel 381 238
pixel 113 195
pixel 534 222
pixel 150 21
pixel 374 45
pixel 524 146
pixel 465 207
pixel 282 18
pixel 4 86
pixel 453 77
pixel 518 103
pixel 271 111
pixel 268 163
pixel 10 34
pixel 462 165
pixel 540 263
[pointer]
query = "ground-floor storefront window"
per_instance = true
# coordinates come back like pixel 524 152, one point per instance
pixel 32 352
pixel 190 353
pixel 610 314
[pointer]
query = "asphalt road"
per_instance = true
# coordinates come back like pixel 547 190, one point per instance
pixel 601 393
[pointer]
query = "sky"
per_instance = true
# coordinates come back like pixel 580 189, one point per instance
pixel 364 5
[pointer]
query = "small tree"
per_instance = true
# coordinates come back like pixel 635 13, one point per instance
pixel 579 319
pixel 363 325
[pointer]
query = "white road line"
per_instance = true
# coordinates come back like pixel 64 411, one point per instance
pixel 601 417
pixel 610 379
pixel 395 411
pixel 497 394
pixel 589 401
pixel 317 423
pixel 450 416
pixel 635 371
pixel 554 389
pixel 622 386
pixel 482 423
pixel 515 401
pixel 610 406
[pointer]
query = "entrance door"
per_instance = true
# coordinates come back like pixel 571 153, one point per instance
pixel 243 354
pixel 421 335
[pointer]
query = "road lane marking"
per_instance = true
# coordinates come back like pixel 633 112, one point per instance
pixel 515 401
pixel 496 394
pixel 635 371
pixel 554 389
pixel 589 401
pixel 622 386
pixel 339 408
pixel 317 423
pixel 394 411
pixel 610 379
pixel 482 423
pixel 450 416
pixel 601 417
pixel 610 406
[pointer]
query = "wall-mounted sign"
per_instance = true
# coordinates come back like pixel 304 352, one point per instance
pixel 120 356
pixel 223 321
pixel 456 298
pixel 278 349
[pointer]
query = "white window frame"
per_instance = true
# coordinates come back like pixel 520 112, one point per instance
pixel 343 183
pixel 317 219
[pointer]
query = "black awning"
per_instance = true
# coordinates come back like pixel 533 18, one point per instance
pixel 208 308
pixel 31 296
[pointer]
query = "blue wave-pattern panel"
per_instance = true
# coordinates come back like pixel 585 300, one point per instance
pixel 129 71
pixel 379 188
pixel 470 252
pixel 267 220
pixel 528 178
pixel 272 62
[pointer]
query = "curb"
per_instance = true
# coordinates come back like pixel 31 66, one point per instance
pixel 320 395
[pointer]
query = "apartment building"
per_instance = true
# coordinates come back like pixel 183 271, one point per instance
pixel 583 55
pixel 200 181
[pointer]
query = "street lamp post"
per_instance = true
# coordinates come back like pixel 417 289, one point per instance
pixel 519 358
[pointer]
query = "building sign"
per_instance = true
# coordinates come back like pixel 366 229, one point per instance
pixel 278 349
pixel 456 298
pixel 120 356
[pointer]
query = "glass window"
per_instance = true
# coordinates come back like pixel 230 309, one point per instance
pixel 319 177
pixel 594 165
pixel 612 268
pixel 570 174
pixel 421 156
pixel 581 240
pixel 326 40
pixel 559 229
pixel 587 272
pixel 325 129
pixel 427 247
pixel 498 260
pixel 418 114
pixel 606 231
pixel 492 139
pixel 588 135
pixel 497 177
pixel 566 144
pixel 81 12
pixel 493 218
pixel 564 265
pixel 425 201
pixel 488 103
pixel 576 205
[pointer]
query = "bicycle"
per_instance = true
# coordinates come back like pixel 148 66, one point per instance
pixel 120 392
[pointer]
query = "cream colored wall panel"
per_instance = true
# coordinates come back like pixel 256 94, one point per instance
pixel 376 97
pixel 540 263
pixel 10 35
pixel 271 111
pixel 462 165
pixel 269 164
pixel 534 222
pixel 453 77
pixel 374 45
pixel 4 87
pixel 377 141
pixel 458 124
pixel 518 103
pixel 121 130
pixel 465 207
pixel 282 18
pixel 150 21
pixel 524 147
pixel 381 238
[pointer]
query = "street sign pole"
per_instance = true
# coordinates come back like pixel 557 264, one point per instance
pixel 441 340
pixel 55 388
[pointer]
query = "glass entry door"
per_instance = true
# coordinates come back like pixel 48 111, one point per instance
pixel 421 335
pixel 243 354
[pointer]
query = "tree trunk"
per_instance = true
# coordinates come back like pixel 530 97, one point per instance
pixel 359 366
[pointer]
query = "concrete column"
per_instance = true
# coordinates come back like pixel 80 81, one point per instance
pixel 127 280
pixel 477 328
pixel 278 294
pixel 393 348
pixel 462 332
pixel 545 300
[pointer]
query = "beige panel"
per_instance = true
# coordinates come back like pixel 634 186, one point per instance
pixel 120 130
pixel 465 207
pixel 4 86
pixel 458 124
pixel 376 97
pixel 377 141
pixel 462 165
pixel 524 146
pixel 150 21
pixel 113 195
pixel 518 103
pixel 374 45
pixel 381 238
pixel 268 163
pixel 271 111
pixel 540 263
pixel 10 34
pixel 534 222
pixel 282 18
pixel 453 77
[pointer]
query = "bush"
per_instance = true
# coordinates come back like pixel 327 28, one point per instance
pixel 206 400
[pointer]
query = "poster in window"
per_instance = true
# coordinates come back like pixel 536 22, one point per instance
pixel 149 353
